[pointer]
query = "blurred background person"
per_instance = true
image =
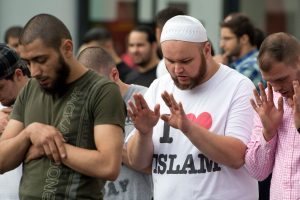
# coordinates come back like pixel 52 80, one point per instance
pixel 11 37
pixel 142 47
pixel 100 37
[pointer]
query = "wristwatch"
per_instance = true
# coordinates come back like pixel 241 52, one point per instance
pixel 298 130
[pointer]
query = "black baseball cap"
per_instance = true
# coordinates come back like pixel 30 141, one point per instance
pixel 9 61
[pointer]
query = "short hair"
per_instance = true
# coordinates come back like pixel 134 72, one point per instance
pixel 98 59
pixel 278 47
pixel 49 29
pixel 164 15
pixel 14 31
pixel 148 30
pixel 240 24
pixel 101 35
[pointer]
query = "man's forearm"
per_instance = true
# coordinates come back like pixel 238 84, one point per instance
pixel 93 163
pixel 12 151
pixel 228 151
pixel 140 150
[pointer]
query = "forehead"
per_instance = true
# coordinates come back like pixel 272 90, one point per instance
pixel 226 31
pixel 34 49
pixel 137 36
pixel 173 49
pixel 277 71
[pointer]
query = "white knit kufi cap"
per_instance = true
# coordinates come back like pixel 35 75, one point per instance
pixel 183 28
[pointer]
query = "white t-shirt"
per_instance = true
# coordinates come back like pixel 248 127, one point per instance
pixel 10 181
pixel 179 169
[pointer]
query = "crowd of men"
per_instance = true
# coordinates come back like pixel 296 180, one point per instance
pixel 189 126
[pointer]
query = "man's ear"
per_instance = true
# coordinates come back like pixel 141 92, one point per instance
pixel 18 75
pixel 207 50
pixel 244 39
pixel 67 48
pixel 114 75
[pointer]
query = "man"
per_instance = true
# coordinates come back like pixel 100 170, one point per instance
pixel 131 184
pixel 11 37
pixel 142 47
pixel 12 79
pixel 67 122
pixel 193 155
pixel 100 37
pixel 238 42
pixel 161 18
pixel 274 145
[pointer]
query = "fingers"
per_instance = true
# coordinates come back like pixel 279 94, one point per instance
pixel 137 102
pixel 257 98
pixel 262 92
pixel 169 100
pixel 270 92
pixel 254 106
pixel 140 102
pixel 166 98
pixel 60 145
pixel 7 110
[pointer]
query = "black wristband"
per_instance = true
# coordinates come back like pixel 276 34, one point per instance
pixel 298 130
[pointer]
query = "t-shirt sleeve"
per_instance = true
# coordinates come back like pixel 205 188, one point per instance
pixel 18 108
pixel 240 116
pixel 109 106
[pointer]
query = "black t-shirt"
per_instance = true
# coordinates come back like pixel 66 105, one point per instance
pixel 144 79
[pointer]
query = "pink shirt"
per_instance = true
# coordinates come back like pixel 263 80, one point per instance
pixel 281 155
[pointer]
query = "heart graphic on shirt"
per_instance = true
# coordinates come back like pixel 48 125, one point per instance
pixel 204 119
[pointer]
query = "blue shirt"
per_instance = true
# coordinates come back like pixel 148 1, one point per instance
pixel 248 66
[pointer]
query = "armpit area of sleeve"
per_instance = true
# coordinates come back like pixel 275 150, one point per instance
pixel 16 117
pixel 270 145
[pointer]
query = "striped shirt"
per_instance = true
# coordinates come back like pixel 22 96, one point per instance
pixel 281 155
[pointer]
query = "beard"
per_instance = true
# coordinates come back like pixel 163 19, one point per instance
pixel 235 52
pixel 144 61
pixel 196 80
pixel 58 85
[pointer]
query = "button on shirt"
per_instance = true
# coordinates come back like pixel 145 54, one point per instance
pixel 281 155
pixel 248 66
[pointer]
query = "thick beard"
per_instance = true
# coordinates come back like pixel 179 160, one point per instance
pixel 195 81
pixel 58 85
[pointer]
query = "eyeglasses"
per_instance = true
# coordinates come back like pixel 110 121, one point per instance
pixel 226 39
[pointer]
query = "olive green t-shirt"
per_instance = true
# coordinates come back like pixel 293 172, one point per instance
pixel 89 101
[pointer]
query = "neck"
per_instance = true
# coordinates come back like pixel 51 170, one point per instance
pixel 212 68
pixel 123 87
pixel 76 70
pixel 246 49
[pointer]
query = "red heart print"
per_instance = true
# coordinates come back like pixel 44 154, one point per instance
pixel 204 119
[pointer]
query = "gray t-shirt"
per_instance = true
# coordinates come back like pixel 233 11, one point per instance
pixel 130 185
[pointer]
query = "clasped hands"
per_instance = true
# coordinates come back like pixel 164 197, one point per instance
pixel 46 141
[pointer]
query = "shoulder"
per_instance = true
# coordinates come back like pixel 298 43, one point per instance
pixel 234 78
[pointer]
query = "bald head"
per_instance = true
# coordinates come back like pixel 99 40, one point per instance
pixel 98 59
pixel 278 47
pixel 49 29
